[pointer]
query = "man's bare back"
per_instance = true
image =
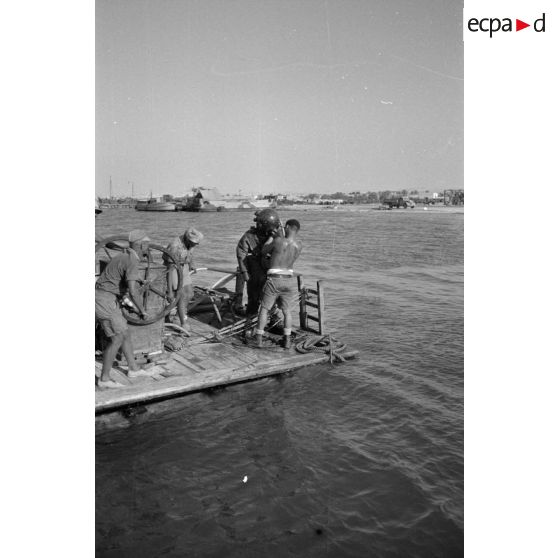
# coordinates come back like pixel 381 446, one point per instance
pixel 284 252
pixel 280 287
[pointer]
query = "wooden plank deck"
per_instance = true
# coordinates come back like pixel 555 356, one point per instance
pixel 201 365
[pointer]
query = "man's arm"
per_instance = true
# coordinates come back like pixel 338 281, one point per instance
pixel 299 248
pixel 267 251
pixel 272 243
pixel 174 251
pixel 190 261
pixel 132 289
pixel 242 250
pixel 132 277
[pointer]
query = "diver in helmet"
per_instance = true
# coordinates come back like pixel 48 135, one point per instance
pixel 251 267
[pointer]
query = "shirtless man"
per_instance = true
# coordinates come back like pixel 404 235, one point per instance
pixel 280 286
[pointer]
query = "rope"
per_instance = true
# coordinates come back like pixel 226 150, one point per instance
pixel 174 337
pixel 242 325
pixel 177 328
pixel 322 344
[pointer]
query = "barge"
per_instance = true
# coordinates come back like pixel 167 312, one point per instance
pixel 210 199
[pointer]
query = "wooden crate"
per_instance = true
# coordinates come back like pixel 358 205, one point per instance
pixel 147 339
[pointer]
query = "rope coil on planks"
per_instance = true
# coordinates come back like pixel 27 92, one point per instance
pixel 174 337
pixel 322 344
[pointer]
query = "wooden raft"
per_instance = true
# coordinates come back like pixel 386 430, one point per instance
pixel 204 365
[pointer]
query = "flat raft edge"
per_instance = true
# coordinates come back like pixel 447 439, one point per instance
pixel 173 386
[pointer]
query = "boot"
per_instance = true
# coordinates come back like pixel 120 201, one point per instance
pixel 287 341
pixel 258 339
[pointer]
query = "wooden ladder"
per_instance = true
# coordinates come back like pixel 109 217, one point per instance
pixel 311 298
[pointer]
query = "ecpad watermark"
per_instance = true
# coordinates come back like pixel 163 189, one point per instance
pixel 493 25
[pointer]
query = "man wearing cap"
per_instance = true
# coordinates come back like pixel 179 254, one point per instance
pixel 181 249
pixel 119 278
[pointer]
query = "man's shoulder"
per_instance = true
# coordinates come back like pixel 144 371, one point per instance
pixel 176 242
pixel 250 234
pixel 118 264
pixel 120 259
pixel 295 243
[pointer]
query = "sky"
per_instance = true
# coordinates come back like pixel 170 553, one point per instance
pixel 269 96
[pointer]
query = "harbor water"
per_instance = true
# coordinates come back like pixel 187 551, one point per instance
pixel 360 459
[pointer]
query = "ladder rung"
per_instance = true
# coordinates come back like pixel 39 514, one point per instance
pixel 313 318
pixel 312 291
pixel 312 304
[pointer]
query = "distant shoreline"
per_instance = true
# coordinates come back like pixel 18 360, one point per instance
pixel 371 207
pixel 343 207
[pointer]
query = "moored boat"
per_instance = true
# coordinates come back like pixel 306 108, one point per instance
pixel 152 204
pixel 210 199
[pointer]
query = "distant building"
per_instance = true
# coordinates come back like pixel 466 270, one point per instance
pixel 331 202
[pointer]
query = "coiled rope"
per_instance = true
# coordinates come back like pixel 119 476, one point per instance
pixel 322 344
pixel 174 337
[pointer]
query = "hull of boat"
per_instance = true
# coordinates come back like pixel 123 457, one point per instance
pixel 159 206
pixel 227 206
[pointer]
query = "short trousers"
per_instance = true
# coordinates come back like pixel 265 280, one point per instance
pixel 282 290
pixel 254 289
pixel 187 293
pixel 109 314
pixel 186 278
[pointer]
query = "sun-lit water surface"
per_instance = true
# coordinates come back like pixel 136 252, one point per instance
pixel 363 459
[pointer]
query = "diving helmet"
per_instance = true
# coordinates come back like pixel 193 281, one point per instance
pixel 267 220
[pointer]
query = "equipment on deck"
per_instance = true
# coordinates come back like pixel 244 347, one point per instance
pixel 153 286
pixel 206 356
pixel 147 334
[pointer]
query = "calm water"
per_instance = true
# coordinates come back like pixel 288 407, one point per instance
pixel 363 459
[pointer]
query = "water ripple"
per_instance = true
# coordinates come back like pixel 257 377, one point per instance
pixel 364 459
